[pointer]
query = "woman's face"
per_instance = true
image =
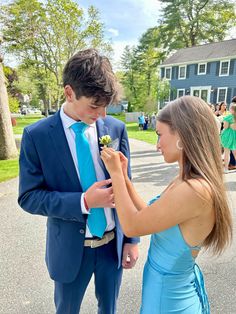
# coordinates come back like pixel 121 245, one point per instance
pixel 168 143
pixel 223 107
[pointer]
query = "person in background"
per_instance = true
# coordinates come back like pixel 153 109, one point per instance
pixel 212 107
pixel 232 161
pixel 153 121
pixel 228 136
pixel 60 167
pixel 141 121
pixel 146 122
pixel 191 214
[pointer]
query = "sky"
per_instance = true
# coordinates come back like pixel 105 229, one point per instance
pixel 125 20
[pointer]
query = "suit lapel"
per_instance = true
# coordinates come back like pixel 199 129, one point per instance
pixel 62 150
pixel 102 129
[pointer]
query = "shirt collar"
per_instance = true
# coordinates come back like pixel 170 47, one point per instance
pixel 68 121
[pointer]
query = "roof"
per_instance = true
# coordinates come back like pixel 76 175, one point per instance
pixel 218 50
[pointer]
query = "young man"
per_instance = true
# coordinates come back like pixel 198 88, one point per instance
pixel 62 177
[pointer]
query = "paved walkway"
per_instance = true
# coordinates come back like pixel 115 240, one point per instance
pixel 24 283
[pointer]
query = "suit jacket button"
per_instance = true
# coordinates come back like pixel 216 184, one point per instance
pixel 82 231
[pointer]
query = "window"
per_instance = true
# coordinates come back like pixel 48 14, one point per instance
pixel 168 73
pixel 221 94
pixel 180 92
pixel 202 68
pixel 182 72
pixel 203 92
pixel 224 68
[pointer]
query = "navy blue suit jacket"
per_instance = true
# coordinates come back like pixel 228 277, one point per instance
pixel 49 186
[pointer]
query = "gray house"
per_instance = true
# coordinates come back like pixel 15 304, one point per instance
pixel 207 71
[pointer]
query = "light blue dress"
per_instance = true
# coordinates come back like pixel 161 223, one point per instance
pixel 172 281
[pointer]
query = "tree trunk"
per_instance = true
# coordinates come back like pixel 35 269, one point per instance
pixel 7 141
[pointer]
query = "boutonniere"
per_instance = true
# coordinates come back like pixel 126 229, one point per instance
pixel 105 140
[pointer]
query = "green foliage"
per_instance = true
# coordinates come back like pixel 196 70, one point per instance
pixel 186 23
pixel 11 77
pixel 14 104
pixel 140 72
pixel 45 34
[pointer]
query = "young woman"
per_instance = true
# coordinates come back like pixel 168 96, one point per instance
pixel 192 212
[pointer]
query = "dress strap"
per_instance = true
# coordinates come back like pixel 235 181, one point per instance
pixel 201 290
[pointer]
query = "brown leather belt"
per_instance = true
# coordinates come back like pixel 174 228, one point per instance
pixel 93 243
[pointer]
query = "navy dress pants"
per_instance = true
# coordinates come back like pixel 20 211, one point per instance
pixel 102 262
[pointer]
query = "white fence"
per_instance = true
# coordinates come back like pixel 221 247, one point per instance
pixel 132 116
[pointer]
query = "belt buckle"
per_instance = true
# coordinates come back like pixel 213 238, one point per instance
pixel 94 244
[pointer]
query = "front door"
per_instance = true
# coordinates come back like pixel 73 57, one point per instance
pixel 204 92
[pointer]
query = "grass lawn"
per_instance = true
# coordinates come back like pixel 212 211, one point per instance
pixel 148 136
pixel 23 121
pixel 8 169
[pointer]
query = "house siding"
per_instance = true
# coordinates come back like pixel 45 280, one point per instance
pixel 211 78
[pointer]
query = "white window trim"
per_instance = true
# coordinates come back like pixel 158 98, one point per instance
pixel 198 70
pixel 181 89
pixel 170 73
pixel 218 93
pixel 182 66
pixel 192 88
pixel 221 67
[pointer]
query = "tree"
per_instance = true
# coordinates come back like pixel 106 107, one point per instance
pixel 140 73
pixel 46 34
pixel 7 142
pixel 186 23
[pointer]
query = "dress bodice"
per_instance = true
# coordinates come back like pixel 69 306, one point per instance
pixel 170 258
pixel 169 252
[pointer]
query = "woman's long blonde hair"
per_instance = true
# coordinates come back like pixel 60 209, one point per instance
pixel 195 124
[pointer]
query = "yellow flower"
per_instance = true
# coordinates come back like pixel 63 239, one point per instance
pixel 105 140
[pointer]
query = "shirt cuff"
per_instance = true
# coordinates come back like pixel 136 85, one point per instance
pixel 83 207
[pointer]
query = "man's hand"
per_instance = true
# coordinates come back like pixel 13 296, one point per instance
pixel 130 255
pixel 98 195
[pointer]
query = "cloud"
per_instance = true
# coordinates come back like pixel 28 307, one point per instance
pixel 113 31
pixel 118 48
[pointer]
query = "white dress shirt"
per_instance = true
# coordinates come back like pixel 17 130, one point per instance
pixel 91 134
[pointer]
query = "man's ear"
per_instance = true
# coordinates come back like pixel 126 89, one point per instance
pixel 69 93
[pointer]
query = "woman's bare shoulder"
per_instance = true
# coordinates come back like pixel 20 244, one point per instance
pixel 201 187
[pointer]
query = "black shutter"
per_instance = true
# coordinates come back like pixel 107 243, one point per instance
pixel 234 93
pixel 177 72
pixel 217 68
pixel 172 73
pixel 231 68
pixel 162 72
pixel 214 98
pixel 187 71
pixel 196 67
pixel 229 95
pixel 208 68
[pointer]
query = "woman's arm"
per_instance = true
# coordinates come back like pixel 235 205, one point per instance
pixel 137 200
pixel 176 205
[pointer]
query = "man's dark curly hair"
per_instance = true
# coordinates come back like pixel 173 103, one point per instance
pixel 90 74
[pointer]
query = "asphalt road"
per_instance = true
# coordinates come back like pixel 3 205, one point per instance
pixel 25 287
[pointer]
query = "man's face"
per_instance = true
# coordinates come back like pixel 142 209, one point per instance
pixel 83 109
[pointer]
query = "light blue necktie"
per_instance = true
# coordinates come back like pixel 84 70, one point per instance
pixel 96 219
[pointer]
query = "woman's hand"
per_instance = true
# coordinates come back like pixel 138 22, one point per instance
pixel 124 164
pixel 112 160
